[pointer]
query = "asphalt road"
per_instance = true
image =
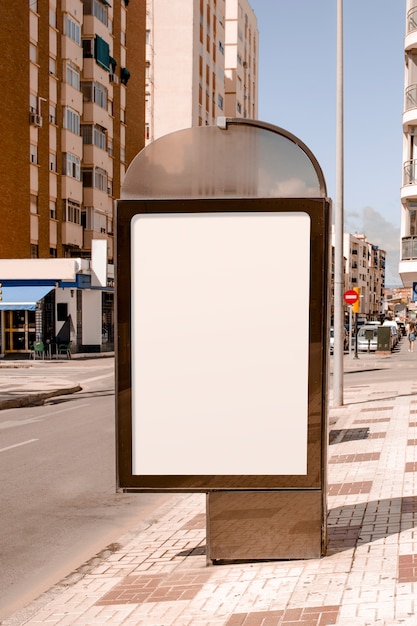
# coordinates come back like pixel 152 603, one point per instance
pixel 59 505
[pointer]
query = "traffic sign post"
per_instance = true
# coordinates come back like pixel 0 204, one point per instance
pixel 351 296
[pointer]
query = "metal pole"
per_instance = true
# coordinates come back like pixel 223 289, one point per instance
pixel 350 331
pixel 339 221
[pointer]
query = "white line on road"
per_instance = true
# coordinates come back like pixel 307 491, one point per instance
pixel 16 445
pixel 89 380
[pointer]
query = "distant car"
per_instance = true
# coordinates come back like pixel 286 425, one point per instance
pixel 345 339
pixel 395 330
pixel 368 338
pixel 402 328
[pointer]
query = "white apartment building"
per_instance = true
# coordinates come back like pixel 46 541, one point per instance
pixel 241 60
pixel 201 63
pixel 365 269
pixel 408 254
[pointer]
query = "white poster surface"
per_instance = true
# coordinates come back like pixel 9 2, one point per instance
pixel 220 342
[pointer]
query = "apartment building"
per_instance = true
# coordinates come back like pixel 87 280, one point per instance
pixel 201 63
pixel 365 269
pixel 72 121
pixel 241 60
pixel 408 254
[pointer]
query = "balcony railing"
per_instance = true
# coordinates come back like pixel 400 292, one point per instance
pixel 409 248
pixel 412 20
pixel 411 97
pixel 410 172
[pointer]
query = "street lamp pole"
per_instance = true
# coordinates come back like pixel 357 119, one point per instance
pixel 339 222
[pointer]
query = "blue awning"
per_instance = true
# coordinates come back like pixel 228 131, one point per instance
pixel 22 297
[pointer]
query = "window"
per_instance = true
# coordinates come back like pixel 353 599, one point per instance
pixel 71 211
pixel 102 53
pixel 52 17
pixel 33 53
pixel 95 135
pixel 52 113
pixel 61 311
pixel 52 209
pixel 33 154
pixel 96 8
pixel 110 146
pixel 94 92
pixel 33 204
pixel 52 66
pixel 221 47
pixel 33 103
pixel 53 253
pixel 72 29
pixel 34 251
pixel 72 120
pixel 88 48
pixel 52 162
pixel 148 37
pixel 72 76
pixel 71 165
pixel 95 177
pixel 122 154
pixel 220 101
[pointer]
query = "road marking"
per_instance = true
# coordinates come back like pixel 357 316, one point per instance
pixel 16 445
pixel 88 380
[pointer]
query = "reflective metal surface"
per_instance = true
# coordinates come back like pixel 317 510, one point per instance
pixel 265 525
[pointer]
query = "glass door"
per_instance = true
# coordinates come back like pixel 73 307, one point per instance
pixel 19 331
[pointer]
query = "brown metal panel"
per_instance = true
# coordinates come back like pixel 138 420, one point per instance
pixel 264 525
pixel 319 212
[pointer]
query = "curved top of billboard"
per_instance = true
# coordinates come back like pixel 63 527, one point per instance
pixel 238 158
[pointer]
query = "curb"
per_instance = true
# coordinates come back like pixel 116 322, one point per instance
pixel 36 398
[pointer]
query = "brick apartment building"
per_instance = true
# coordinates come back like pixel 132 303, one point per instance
pixel 72 120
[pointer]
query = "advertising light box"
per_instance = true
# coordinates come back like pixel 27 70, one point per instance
pixel 220 335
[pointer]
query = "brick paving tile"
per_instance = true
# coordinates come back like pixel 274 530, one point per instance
pixel 306 616
pixel 376 408
pixel 349 488
pixel 377 435
pixel 355 458
pixel 375 420
pixel 407 568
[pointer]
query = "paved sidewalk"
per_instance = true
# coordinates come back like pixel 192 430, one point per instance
pixel 158 576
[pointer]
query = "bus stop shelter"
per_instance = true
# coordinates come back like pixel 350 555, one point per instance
pixel 223 241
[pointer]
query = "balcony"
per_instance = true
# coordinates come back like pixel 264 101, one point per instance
pixel 411 35
pixel 409 248
pixel 409 188
pixel 410 106
pixel 72 234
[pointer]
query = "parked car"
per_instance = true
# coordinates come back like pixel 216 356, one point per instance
pixel 402 328
pixel 368 338
pixel 345 339
pixel 395 330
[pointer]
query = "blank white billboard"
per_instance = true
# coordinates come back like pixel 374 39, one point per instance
pixel 220 343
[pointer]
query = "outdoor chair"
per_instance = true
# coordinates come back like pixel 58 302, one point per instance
pixel 38 350
pixel 65 348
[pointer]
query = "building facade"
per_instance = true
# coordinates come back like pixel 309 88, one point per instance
pixel 364 264
pixel 72 122
pixel 201 63
pixel 408 254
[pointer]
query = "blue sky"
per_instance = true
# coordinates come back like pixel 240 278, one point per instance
pixel 297 91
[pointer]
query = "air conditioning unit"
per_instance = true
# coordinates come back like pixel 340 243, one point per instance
pixel 35 119
pixel 113 78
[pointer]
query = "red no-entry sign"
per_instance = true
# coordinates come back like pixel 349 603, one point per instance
pixel 351 296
